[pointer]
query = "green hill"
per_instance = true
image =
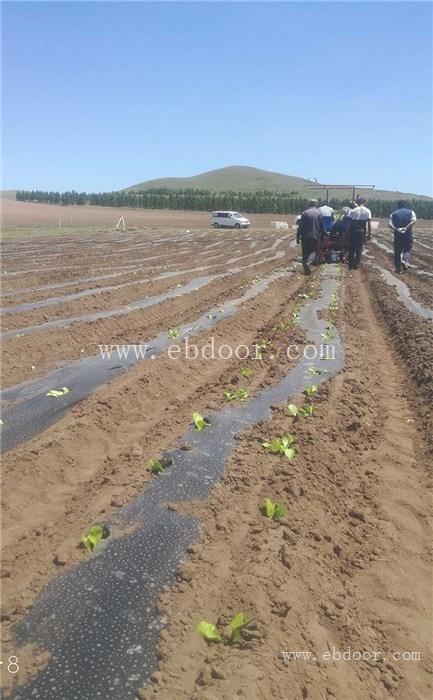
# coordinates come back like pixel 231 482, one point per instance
pixel 241 178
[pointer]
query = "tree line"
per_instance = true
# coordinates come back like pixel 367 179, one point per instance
pixel 264 202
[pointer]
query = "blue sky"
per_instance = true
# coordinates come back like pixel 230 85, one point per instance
pixel 99 96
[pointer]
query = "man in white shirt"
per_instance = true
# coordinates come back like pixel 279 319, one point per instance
pixel 360 225
pixel 328 216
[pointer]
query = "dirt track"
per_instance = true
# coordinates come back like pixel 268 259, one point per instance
pixel 347 566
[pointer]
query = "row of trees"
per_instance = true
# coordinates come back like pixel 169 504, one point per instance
pixel 205 200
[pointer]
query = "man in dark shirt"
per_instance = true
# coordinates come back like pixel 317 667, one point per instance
pixel 311 232
pixel 401 222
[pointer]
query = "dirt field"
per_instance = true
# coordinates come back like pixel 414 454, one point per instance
pixel 23 214
pixel 348 565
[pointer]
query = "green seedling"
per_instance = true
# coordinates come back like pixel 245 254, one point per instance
pixel 94 536
pixel 314 371
pixel 302 411
pixel 237 624
pixel 273 510
pixel 174 332
pixel 307 410
pixel 211 635
pixel 56 393
pixel 246 372
pixel 209 632
pixel 328 335
pixel 310 390
pixel 281 445
pixel 238 395
pixel 200 422
pixel 156 466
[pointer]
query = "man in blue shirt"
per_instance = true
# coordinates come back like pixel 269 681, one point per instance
pixel 401 222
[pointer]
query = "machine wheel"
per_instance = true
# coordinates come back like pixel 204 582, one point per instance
pixel 216 225
pixel 237 225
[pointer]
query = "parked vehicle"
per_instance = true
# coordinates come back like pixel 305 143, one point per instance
pixel 228 219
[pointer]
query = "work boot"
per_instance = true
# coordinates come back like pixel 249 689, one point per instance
pixel 307 270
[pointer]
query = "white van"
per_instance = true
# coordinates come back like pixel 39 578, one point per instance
pixel 228 219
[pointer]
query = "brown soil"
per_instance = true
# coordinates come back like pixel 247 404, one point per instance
pixel 16 214
pixel 347 566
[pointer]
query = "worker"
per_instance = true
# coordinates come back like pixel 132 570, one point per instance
pixel 401 222
pixel 328 216
pixel 311 232
pixel 339 232
pixel 359 228
pixel 346 218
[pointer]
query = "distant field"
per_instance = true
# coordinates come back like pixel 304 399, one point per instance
pixel 19 217
pixel 27 214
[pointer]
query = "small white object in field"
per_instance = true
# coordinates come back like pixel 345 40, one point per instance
pixel 279 224
pixel 374 225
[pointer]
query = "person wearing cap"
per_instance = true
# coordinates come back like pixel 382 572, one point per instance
pixel 401 222
pixel 359 227
pixel 311 232
pixel 328 216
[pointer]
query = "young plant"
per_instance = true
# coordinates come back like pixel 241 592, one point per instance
pixel 281 445
pixel 328 335
pixel 211 635
pixel 273 510
pixel 302 411
pixel 156 466
pixel 307 410
pixel 310 390
pixel 174 332
pixel 314 371
pixel 237 624
pixel 56 393
pixel 209 632
pixel 246 372
pixel 94 536
pixel 200 422
pixel 238 395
